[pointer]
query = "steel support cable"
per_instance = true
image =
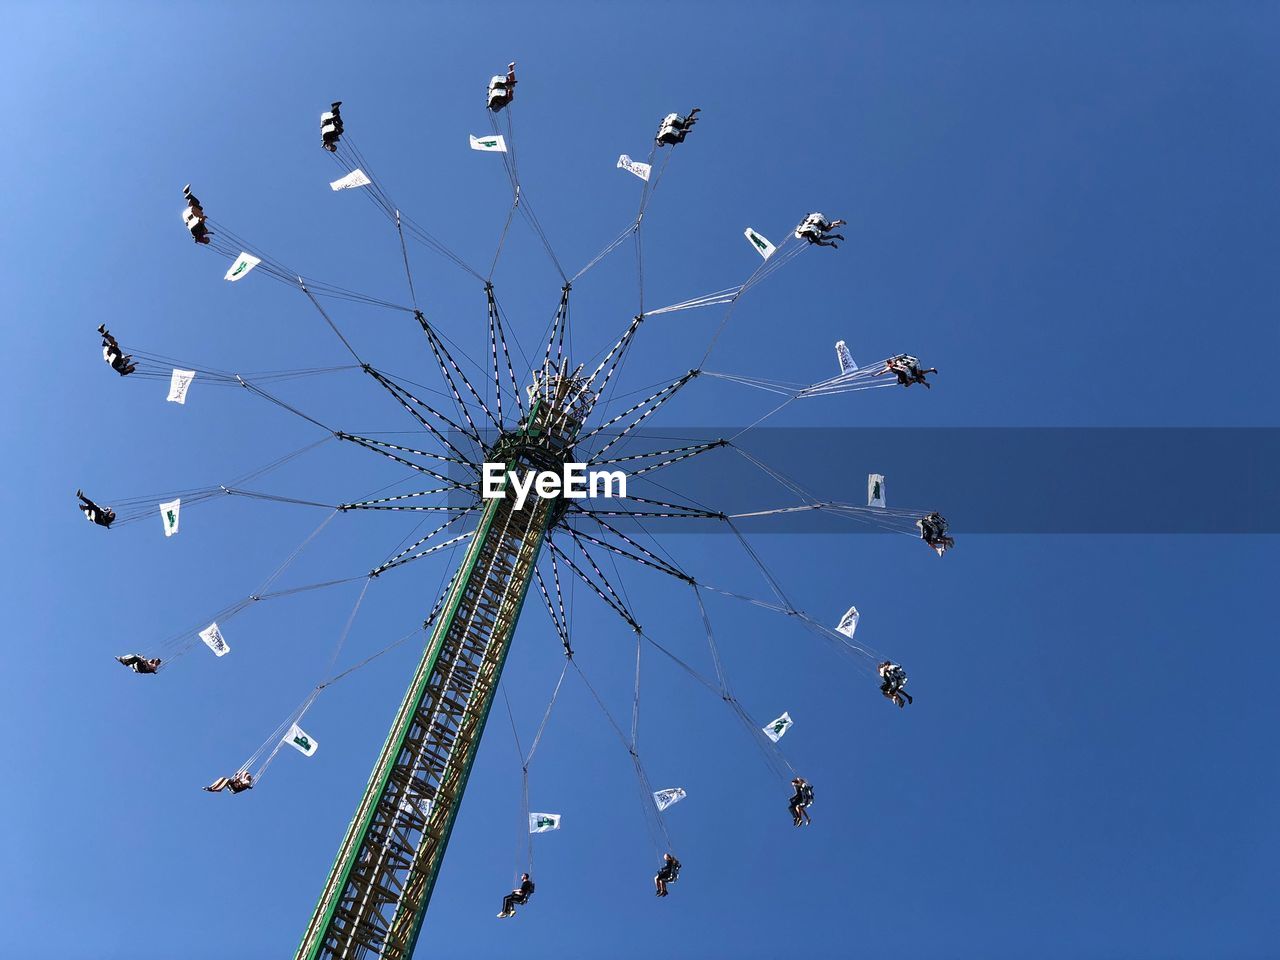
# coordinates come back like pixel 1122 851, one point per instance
pixel 791 395
pixel 276 737
pixel 280 403
pixel 276 498
pixel 524 842
pixel 662 168
pixel 132 508
pixel 657 399
pixel 519 200
pixel 721 687
pixel 617 607
pixel 561 631
pixel 182 642
pixel 383 201
pixel 163 364
pixel 773 386
pixel 409 496
pixel 439 529
pixel 843 643
pixel 727 295
pixel 348 157
pixel 546 716
pixel 453 484
pixel 128 512
pixel 307 587
pixel 493 352
pixel 306 705
pixel 424 553
pixel 656 563
pixel 430 509
pixel 437 350
pixel 683 453
pixel 502 238
pixel 732 303
pixel 427 239
pixel 608 249
pixel 556 336
pixel 387 445
pixel 595 568
pixel 503 324
pixel 771 752
pixel 700 510
pixel 651 814
pixel 764 570
pixel 668 565
pixel 608 386
pixel 422 522
pixel 686 514
pixel 296 716
pixel 300 711
pixel 853 380
pixel 755 423
pixel 405 397
pixel 277 270
pixel 329 320
pixel 564 619
pixel 228 379
pixel 645 195
pixel 894 520
pixel 886 518
pixel 404 254
pixel 496 312
pixel 632 228
pixel 785 481
pixel 846 643
pixel 639 269
pixel 615 354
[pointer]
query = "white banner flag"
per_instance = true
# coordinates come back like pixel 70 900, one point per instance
pixel 212 638
pixel 244 263
pixel 849 622
pixel 762 246
pixel 301 741
pixel 492 143
pixel 169 516
pixel 775 730
pixel 844 357
pixel 355 178
pixel 542 822
pixel 667 796
pixel 178 384
pixel 641 170
pixel 875 489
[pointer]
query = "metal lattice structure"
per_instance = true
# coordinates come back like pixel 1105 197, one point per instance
pixel 377 893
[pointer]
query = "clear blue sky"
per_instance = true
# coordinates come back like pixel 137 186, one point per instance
pixel 1032 190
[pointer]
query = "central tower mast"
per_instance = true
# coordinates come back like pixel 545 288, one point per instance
pixel 377 893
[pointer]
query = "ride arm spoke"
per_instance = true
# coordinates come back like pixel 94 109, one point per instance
pixel 648 559
pixel 404 397
pixel 618 606
pixel 445 361
pixel 652 402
